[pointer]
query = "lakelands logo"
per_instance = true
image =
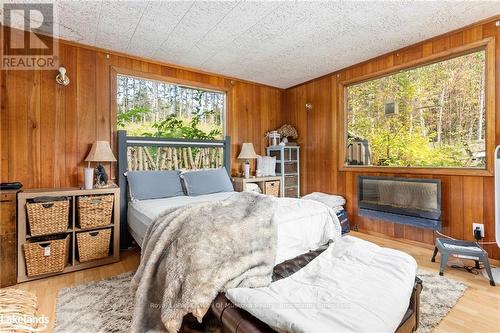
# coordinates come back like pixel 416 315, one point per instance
pixel 23 323
pixel 26 44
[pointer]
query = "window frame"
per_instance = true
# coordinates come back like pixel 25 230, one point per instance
pixel 116 71
pixel 488 45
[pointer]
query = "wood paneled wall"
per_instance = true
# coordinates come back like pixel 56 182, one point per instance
pixel 465 199
pixel 46 130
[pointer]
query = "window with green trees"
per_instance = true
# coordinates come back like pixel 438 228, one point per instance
pixel 154 108
pixel 429 116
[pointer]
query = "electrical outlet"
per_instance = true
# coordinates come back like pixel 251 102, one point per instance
pixel 480 226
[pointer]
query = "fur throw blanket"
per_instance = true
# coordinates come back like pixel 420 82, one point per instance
pixel 192 253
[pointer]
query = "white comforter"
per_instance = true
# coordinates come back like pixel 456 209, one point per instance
pixel 303 225
pixel 353 286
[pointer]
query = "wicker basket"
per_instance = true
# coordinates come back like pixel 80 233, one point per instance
pixel 290 167
pixel 95 210
pixel 291 180
pixel 47 256
pixel 291 192
pixel 93 244
pixel 273 188
pixel 48 217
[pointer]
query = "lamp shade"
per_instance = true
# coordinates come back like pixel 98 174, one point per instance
pixel 100 152
pixel 247 152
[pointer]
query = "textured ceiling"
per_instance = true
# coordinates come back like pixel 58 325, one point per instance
pixel 280 43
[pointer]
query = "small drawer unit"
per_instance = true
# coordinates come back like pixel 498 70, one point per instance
pixel 291 192
pixel 291 167
pixel 291 180
pixel 288 168
pixel 48 256
pixel 93 245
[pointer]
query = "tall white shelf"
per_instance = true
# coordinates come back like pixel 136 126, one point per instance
pixel 288 168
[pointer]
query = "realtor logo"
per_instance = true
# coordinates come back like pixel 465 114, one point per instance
pixel 26 45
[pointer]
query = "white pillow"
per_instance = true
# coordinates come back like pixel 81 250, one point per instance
pixel 251 187
pixel 266 166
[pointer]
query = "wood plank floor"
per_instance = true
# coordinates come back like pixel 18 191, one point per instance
pixel 477 311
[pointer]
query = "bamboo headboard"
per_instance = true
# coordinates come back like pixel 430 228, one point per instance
pixel 153 153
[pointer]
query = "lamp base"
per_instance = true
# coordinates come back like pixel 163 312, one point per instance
pixel 496 275
pixel 246 169
pixel 110 184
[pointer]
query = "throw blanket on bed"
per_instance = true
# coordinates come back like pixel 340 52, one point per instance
pixel 191 253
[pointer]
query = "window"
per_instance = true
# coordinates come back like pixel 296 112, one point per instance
pixel 428 116
pixel 154 108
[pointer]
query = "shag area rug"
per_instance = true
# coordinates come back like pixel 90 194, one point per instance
pixel 106 306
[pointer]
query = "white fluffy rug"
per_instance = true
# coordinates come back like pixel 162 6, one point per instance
pixel 106 306
pixel 438 296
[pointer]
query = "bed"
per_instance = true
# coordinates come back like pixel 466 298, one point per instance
pixel 316 225
pixel 302 270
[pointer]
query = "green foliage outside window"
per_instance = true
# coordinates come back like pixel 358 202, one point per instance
pixel 438 119
pixel 152 108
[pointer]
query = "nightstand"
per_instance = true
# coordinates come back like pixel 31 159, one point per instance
pixel 268 185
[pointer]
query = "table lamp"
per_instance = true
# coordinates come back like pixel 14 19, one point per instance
pixel 247 153
pixel 100 152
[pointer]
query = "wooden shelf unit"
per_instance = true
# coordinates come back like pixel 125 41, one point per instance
pixel 73 229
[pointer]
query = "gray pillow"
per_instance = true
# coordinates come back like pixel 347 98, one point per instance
pixel 201 182
pixel 154 184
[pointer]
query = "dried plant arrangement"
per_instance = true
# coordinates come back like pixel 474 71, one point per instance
pixel 287 131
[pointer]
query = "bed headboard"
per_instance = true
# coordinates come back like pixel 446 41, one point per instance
pixel 153 153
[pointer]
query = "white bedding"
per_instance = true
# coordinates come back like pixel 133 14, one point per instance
pixel 303 225
pixel 353 286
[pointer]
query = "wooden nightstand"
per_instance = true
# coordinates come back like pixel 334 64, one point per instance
pixel 268 185
pixel 74 228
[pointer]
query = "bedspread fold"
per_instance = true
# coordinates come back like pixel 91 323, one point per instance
pixel 191 253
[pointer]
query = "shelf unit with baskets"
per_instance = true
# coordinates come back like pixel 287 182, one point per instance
pixel 288 168
pixel 65 230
